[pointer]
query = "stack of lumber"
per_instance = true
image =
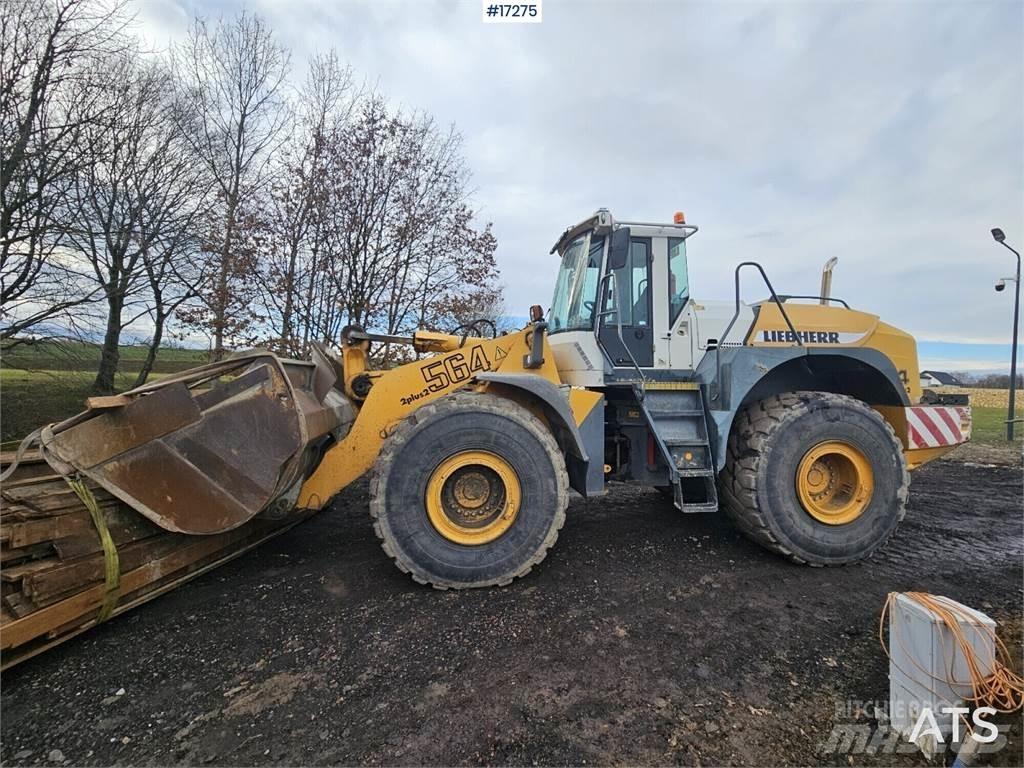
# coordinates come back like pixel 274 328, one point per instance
pixel 52 563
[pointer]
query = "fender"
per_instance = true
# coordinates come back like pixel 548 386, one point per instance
pixel 580 432
pixel 744 368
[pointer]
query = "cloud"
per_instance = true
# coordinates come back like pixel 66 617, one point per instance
pixel 887 134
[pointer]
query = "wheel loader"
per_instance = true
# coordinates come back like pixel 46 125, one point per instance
pixel 797 416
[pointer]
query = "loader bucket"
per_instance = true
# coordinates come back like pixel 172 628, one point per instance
pixel 206 450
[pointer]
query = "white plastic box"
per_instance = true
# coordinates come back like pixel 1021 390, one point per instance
pixel 927 668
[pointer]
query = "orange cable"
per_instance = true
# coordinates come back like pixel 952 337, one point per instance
pixel 1002 688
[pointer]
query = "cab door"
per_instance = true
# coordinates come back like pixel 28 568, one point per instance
pixel 627 299
pixel 682 317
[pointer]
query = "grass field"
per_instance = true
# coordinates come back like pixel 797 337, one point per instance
pixel 49 380
pixel 989 425
pixel 79 356
pixel 29 399
pixel 989 413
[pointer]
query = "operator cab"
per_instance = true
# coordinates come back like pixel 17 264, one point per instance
pixel 622 301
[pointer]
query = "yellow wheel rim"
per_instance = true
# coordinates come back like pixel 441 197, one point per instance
pixel 834 482
pixel 473 497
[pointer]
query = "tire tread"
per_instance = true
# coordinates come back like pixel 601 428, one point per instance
pixel 465 400
pixel 749 444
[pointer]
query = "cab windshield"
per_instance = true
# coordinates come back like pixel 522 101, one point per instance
pixel 576 287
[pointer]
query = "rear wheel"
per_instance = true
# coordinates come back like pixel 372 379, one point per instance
pixel 816 477
pixel 469 491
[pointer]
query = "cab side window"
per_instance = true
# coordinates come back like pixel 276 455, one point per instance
pixel 678 283
pixel 632 287
pixel 640 283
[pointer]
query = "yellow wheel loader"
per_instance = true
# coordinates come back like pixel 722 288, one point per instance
pixel 796 415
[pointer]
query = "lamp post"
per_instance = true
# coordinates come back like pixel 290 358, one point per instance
pixel 999 237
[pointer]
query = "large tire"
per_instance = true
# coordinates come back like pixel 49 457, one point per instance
pixel 767 448
pixel 459 425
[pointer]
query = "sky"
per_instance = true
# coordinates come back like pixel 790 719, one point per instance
pixel 887 134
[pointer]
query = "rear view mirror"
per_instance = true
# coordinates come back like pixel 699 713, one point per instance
pixel 618 250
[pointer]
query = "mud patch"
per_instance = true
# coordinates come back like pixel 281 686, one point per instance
pixel 272 692
pixel 645 637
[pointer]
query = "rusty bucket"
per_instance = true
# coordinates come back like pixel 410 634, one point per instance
pixel 204 451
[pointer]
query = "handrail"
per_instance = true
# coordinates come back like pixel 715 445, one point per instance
pixel 613 287
pixel 771 290
pixel 598 302
pixel 787 296
pixel 716 389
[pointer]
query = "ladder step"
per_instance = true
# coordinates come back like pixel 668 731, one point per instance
pixel 672 414
pixel 680 427
pixel 707 507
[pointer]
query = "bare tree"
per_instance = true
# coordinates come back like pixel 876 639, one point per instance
pixel 296 200
pixel 401 246
pixel 175 202
pixel 995 381
pixel 231 74
pixel 147 199
pixel 50 86
pixel 174 273
pixel 134 196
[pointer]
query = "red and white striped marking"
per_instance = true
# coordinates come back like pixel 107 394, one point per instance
pixel 935 426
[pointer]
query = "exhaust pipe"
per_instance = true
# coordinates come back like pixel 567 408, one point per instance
pixel 826 280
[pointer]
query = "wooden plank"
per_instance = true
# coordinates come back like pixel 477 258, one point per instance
pixel 40 622
pixel 26 514
pixel 31 456
pixel 48 595
pixel 61 497
pixel 103 402
pixel 23 494
pixel 123 532
pixel 17 605
pixel 42 586
pixel 124 523
pixel 13 511
pixel 12 557
pixel 44 475
pixel 18 572
pixel 31 466
pixel 144 594
pixel 24 533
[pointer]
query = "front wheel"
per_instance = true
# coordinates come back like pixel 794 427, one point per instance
pixel 469 491
pixel 816 477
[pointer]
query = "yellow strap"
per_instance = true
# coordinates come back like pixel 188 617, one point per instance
pixel 110 560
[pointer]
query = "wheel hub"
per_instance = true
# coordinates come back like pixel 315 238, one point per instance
pixel 473 497
pixel 472 490
pixel 835 482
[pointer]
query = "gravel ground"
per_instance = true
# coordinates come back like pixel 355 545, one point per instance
pixel 646 637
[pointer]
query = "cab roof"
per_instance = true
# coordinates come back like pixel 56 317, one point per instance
pixel 603 222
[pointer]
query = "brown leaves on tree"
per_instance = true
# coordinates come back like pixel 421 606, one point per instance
pixel 203 190
pixel 374 227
